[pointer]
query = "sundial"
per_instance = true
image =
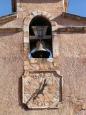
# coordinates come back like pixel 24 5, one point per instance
pixel 42 90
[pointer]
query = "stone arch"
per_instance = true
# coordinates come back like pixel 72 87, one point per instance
pixel 28 19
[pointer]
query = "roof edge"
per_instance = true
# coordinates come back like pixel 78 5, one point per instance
pixel 7 18
pixel 73 16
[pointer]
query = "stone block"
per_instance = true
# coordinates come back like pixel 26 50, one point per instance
pixel 26 40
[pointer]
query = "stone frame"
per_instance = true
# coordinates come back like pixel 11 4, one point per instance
pixel 31 62
pixel 54 25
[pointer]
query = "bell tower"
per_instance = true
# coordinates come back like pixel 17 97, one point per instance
pixel 41 82
pixel 42 59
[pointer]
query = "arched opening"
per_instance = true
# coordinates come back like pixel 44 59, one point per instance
pixel 40 34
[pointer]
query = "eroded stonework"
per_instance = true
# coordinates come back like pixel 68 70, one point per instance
pixel 42 89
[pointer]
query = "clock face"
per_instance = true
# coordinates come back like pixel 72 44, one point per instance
pixel 41 90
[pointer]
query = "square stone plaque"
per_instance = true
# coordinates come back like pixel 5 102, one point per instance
pixel 42 89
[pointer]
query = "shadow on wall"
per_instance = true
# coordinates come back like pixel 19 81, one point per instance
pixel 23 106
pixel 40 1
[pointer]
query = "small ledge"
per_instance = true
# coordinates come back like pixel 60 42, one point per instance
pixel 10 30
pixel 76 29
pixel 7 18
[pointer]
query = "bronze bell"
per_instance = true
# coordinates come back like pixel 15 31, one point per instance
pixel 40 51
pixel 40 46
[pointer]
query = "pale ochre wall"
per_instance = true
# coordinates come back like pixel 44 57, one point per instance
pixel 72 64
pixel 72 67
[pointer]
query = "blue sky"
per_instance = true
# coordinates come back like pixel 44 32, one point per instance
pixel 77 7
pixel 5 7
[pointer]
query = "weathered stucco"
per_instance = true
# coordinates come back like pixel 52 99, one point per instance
pixel 69 61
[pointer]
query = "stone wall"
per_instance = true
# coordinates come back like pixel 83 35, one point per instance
pixel 26 7
pixel 72 67
pixel 11 69
pixel 71 62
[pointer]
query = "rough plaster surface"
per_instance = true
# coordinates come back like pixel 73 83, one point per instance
pixel 72 69
pixel 71 63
